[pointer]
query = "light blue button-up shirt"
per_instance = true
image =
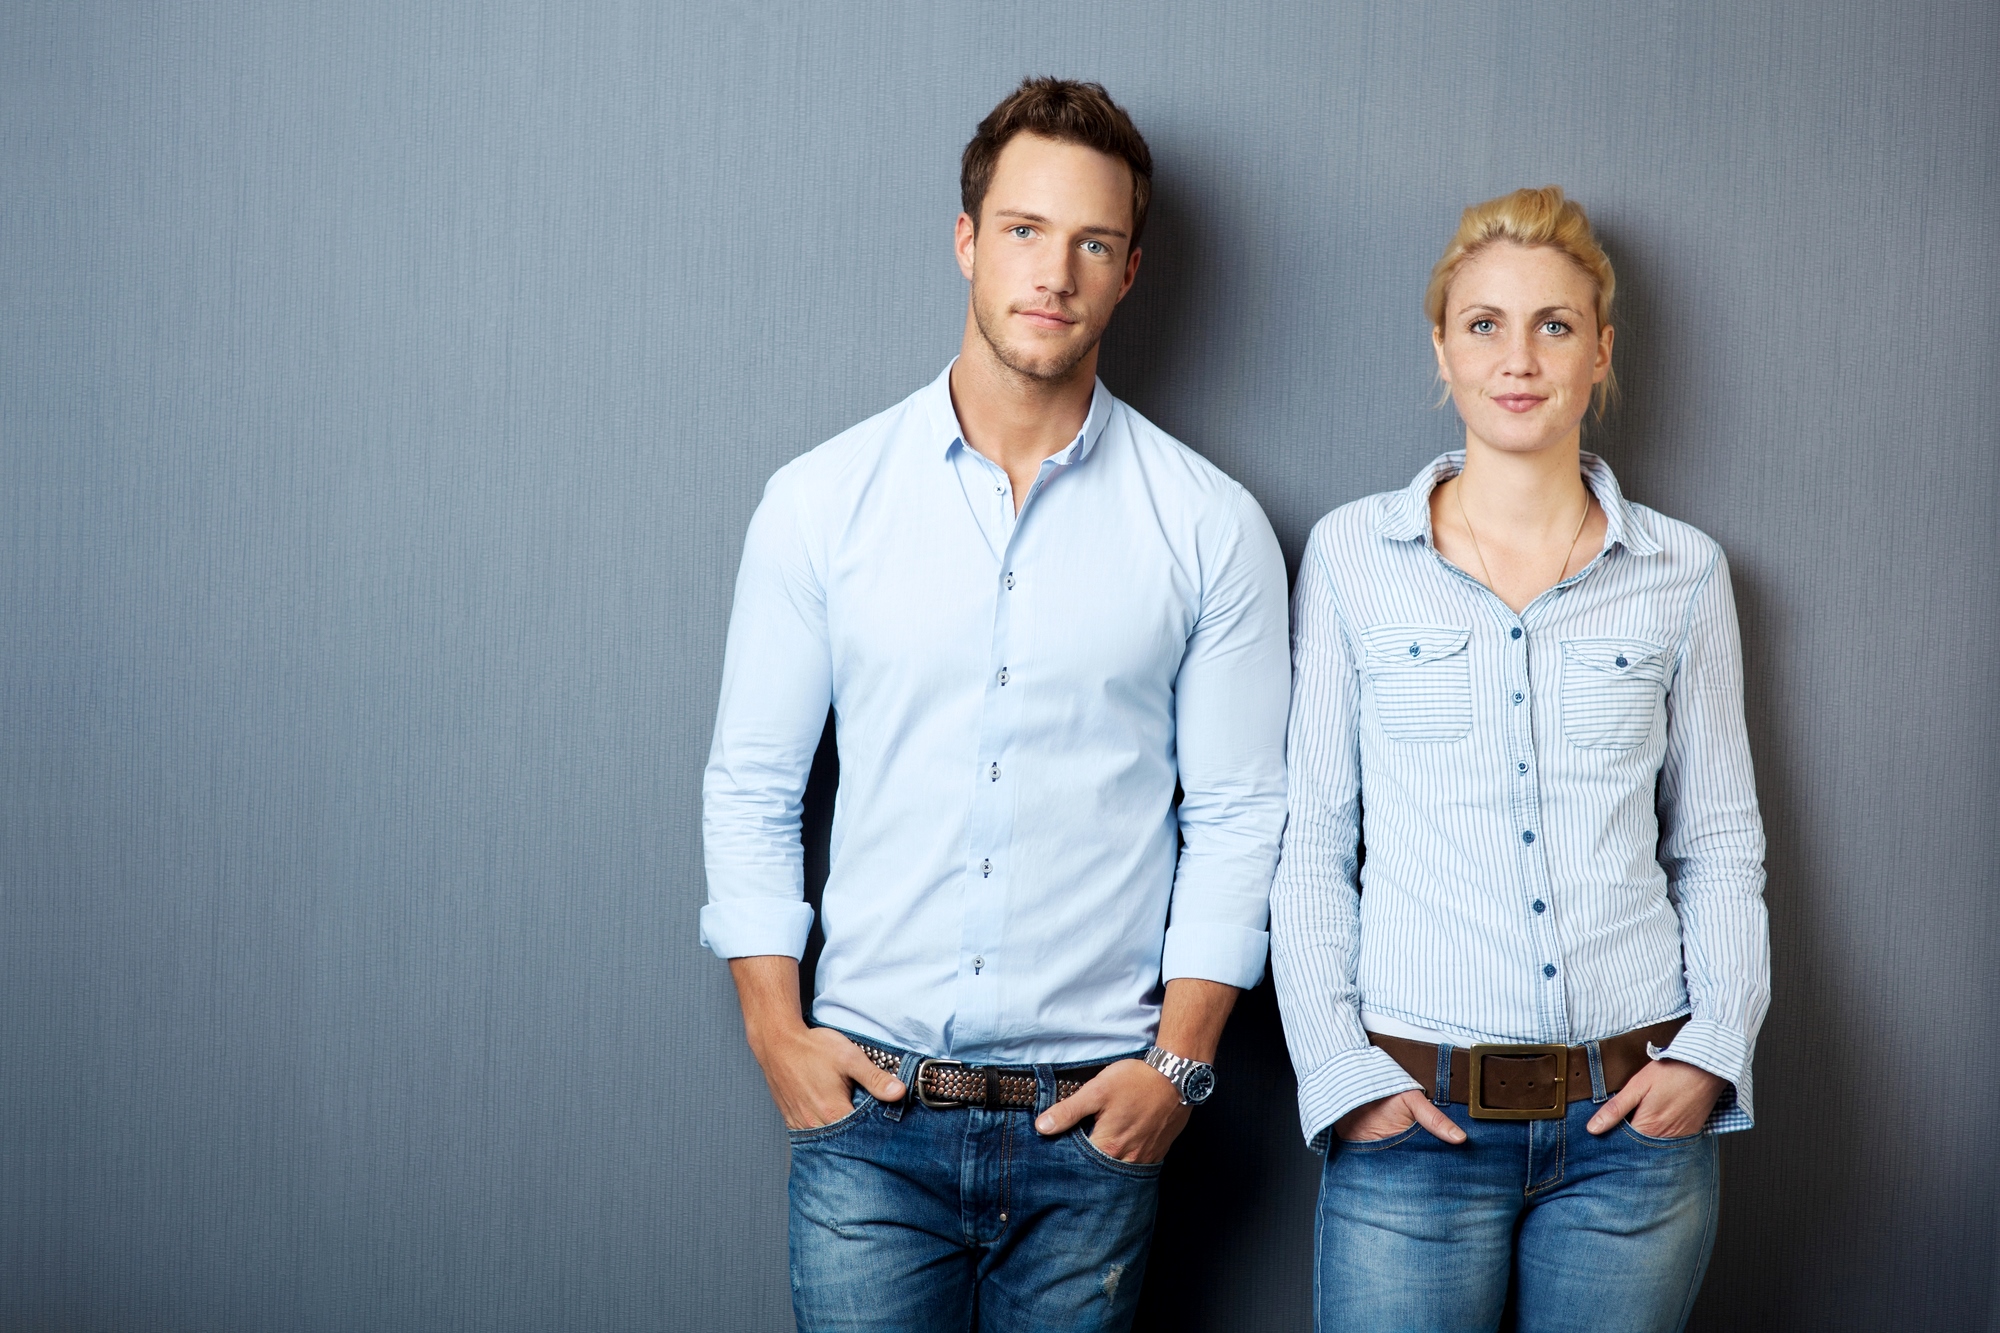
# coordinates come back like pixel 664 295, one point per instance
pixel 1015 699
pixel 1562 834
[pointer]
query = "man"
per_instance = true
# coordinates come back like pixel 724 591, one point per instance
pixel 1033 614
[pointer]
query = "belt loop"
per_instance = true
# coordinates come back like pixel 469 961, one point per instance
pixel 1441 1092
pixel 908 1074
pixel 1597 1092
pixel 1045 1088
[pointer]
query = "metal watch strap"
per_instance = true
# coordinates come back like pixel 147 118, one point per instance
pixel 1177 1069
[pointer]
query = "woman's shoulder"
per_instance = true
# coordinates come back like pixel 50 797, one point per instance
pixel 1359 525
pixel 1681 542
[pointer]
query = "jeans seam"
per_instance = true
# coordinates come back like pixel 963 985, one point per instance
pixel 1701 1269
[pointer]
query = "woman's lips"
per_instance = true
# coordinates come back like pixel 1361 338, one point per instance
pixel 1519 402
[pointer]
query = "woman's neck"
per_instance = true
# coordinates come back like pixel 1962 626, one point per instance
pixel 1520 497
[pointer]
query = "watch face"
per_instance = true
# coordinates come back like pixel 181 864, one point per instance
pixel 1200 1082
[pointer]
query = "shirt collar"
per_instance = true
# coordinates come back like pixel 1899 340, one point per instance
pixel 945 431
pixel 1407 516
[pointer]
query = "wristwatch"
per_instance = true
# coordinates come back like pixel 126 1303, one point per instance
pixel 1191 1078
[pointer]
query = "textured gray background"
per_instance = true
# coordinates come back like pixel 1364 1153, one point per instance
pixel 385 387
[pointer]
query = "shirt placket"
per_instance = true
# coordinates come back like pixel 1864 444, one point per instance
pixel 1537 900
pixel 982 960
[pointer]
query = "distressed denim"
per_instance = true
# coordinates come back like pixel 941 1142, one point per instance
pixel 1539 1222
pixel 907 1220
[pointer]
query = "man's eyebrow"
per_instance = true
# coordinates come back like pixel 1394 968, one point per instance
pixel 1037 217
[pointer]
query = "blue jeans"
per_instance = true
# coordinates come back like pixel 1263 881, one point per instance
pixel 906 1218
pixel 1590 1233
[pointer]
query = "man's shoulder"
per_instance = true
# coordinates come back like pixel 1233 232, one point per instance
pixel 826 469
pixel 1175 463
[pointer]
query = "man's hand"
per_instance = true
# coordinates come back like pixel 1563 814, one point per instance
pixel 1139 1113
pixel 1138 1109
pixel 1668 1099
pixel 812 1071
pixel 1390 1116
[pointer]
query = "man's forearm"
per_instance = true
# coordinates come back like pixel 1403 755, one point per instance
pixel 767 986
pixel 1192 1017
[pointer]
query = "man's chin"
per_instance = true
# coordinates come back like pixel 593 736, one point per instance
pixel 1042 366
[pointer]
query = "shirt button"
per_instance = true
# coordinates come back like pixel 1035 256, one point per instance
pixel 993 772
pixel 1541 906
pixel 1010 580
pixel 1528 836
pixel 1516 633
pixel 1517 696
pixel 1622 662
pixel 1003 675
pixel 980 961
pixel 1522 767
pixel 986 868
pixel 1548 969
pixel 1415 650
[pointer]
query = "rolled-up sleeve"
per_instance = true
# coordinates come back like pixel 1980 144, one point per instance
pixel 1712 848
pixel 1315 898
pixel 1230 701
pixel 777 684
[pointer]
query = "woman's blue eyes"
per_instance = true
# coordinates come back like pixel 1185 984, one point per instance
pixel 1555 328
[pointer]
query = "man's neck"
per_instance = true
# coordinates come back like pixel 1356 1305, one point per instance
pixel 1012 419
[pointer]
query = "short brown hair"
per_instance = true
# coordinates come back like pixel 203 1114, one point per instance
pixel 1068 112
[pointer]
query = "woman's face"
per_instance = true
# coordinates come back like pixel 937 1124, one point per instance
pixel 1520 348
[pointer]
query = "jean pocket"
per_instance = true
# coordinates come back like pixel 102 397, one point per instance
pixel 1678 1141
pixel 1611 692
pixel 1098 1157
pixel 863 1104
pixel 1395 1140
pixel 1421 679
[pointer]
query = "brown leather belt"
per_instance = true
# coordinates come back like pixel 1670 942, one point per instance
pixel 944 1084
pixel 1527 1082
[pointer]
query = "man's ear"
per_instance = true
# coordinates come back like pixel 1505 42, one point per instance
pixel 965 234
pixel 1131 271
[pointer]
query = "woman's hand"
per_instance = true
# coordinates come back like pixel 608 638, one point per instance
pixel 1668 1099
pixel 1390 1116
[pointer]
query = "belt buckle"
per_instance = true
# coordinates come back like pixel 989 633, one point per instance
pixel 945 1104
pixel 1476 1084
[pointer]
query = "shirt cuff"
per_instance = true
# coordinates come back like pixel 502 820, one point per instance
pixel 1350 1079
pixel 747 927
pixel 1212 951
pixel 1724 1053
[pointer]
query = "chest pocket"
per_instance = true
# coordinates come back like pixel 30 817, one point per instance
pixel 1422 681
pixel 1611 691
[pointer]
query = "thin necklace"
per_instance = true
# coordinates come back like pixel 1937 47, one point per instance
pixel 1466 518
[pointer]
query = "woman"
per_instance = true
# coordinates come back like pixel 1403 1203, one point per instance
pixel 1519 1026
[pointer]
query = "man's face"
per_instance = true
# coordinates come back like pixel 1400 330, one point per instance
pixel 1052 255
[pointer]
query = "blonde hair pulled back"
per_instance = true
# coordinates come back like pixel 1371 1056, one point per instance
pixel 1544 217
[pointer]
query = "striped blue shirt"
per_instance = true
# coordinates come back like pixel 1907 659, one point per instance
pixel 1015 697
pixel 1561 828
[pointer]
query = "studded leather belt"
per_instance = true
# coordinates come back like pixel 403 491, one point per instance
pixel 1527 1082
pixel 945 1084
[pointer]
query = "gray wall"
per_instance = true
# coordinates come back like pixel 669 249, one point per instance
pixel 385 387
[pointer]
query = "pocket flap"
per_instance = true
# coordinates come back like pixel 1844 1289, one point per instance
pixel 1413 645
pixel 1618 658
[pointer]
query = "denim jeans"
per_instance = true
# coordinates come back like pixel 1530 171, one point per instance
pixel 1539 1222
pixel 906 1218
